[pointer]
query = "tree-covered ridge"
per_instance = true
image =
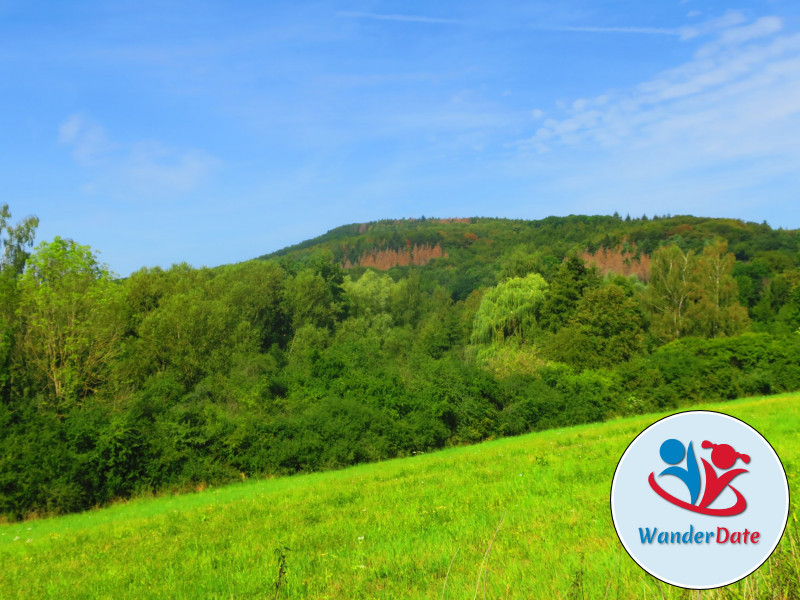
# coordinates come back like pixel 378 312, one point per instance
pixel 562 234
pixel 181 377
pixel 475 250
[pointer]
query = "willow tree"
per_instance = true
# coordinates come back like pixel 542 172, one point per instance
pixel 510 310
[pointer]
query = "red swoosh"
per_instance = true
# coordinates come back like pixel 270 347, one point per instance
pixel 737 508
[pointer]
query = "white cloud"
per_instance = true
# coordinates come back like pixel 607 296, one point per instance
pixel 153 165
pixel 401 18
pixel 87 139
pixel 729 19
pixel 145 168
pixel 721 80
pixel 734 36
pixel 588 29
pixel 720 124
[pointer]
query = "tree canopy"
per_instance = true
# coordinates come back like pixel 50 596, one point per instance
pixel 180 377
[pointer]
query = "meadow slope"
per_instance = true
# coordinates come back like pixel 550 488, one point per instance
pixel 417 527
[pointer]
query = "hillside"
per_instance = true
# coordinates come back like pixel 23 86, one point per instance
pixel 417 527
pixel 476 247
pixel 177 378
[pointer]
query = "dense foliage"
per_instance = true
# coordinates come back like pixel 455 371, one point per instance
pixel 177 378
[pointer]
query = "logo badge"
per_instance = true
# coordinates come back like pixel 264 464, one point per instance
pixel 699 499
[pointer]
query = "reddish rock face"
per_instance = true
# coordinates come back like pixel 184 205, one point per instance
pixel 617 261
pixel 386 259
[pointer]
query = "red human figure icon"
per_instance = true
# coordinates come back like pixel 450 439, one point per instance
pixel 724 457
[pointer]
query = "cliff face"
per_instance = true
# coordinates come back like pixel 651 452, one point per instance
pixel 617 261
pixel 386 259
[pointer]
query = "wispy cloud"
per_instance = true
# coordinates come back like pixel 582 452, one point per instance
pixel 729 19
pixel 639 30
pixel 88 140
pixel 724 74
pixel 398 17
pixel 717 125
pixel 735 36
pixel 143 167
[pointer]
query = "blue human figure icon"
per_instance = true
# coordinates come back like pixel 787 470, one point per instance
pixel 672 452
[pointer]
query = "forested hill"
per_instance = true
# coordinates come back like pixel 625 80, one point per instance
pixel 373 341
pixel 464 254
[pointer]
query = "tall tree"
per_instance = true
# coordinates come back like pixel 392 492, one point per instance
pixel 606 328
pixel 716 309
pixel 670 291
pixel 15 241
pixel 70 321
pixel 370 295
pixel 510 310
pixel 694 294
pixel 567 287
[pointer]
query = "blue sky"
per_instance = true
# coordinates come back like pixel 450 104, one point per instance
pixel 214 132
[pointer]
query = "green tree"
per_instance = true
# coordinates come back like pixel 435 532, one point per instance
pixel 716 310
pixel 254 290
pixel 407 300
pixel 71 325
pixel 693 294
pixel 669 293
pixel 510 310
pixel 194 334
pixel 15 240
pixel 310 300
pixel 520 262
pixel 570 281
pixel 789 314
pixel 607 328
pixel 370 295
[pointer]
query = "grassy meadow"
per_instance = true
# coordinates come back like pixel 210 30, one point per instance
pixel 524 517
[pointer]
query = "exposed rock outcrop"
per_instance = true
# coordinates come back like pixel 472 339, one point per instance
pixel 382 260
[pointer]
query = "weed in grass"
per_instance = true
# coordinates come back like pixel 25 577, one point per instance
pixel 280 555
pixel 447 576
pixel 485 560
pixel 576 588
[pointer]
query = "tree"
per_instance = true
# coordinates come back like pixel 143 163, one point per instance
pixel 510 310
pixel 255 292
pixel 716 310
pixel 309 299
pixel 606 329
pixel 670 290
pixel 70 321
pixel 520 262
pixel 693 294
pixel 192 334
pixel 15 241
pixel 370 295
pixel 567 287
pixel 407 299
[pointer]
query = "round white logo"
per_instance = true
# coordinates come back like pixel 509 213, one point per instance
pixel 699 499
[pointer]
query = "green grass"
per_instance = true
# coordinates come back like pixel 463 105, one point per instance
pixel 397 529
